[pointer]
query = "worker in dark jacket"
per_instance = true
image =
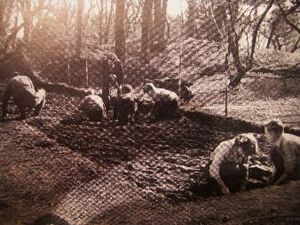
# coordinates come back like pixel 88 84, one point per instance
pixel 24 95
pixel 285 153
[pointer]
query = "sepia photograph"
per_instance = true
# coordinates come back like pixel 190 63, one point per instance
pixel 149 112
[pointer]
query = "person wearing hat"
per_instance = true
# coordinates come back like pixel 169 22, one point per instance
pixel 285 153
pixel 230 160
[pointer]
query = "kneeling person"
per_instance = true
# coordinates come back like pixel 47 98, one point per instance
pixel 229 162
pixel 285 153
pixel 165 101
pixel 93 107
pixel 24 95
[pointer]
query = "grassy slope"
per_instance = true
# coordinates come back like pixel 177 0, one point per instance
pixel 261 95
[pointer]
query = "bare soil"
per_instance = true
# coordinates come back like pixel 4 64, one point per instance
pixel 143 173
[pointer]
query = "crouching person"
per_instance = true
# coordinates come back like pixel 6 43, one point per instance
pixel 93 107
pixel 285 153
pixel 228 165
pixel 125 105
pixel 24 95
pixel 165 102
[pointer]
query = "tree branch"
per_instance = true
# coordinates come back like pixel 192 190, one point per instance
pixel 257 28
pixel 285 15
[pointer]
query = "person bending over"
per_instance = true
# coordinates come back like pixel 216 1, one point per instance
pixel 24 95
pixel 229 162
pixel 285 153
pixel 165 101
pixel 93 107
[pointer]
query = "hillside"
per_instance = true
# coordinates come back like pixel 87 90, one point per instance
pixel 270 89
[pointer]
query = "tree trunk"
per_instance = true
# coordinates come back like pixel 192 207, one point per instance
pixel 274 26
pixel 233 45
pixel 2 17
pixel 101 20
pixel 158 26
pixel 279 45
pixel 15 28
pixel 233 41
pixel 291 10
pixel 191 24
pixel 256 29
pixel 120 30
pixel 146 24
pixel 108 20
pixel 218 13
pixel 295 47
pixel 27 18
pixel 79 24
pixel 164 24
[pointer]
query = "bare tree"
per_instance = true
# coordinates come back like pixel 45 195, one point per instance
pixel 1 17
pixel 233 41
pixel 159 26
pixel 218 14
pixel 291 10
pixel 120 30
pixel 108 18
pixel 296 45
pixel 29 9
pixel 146 24
pixel 101 20
pixel 25 7
pixel 164 23
pixel 79 26
pixel 274 24
pixel 256 29
pixel 191 23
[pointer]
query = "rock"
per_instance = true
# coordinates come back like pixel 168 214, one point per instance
pixel 260 172
pixel 259 176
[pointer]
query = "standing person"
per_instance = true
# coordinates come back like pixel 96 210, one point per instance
pixel 230 160
pixel 24 95
pixel 285 153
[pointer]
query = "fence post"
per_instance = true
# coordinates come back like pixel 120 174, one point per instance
pixel 227 81
pixel 226 101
